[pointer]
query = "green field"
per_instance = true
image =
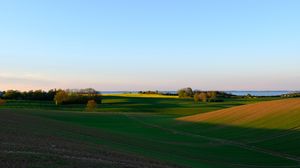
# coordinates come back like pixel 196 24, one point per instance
pixel 139 131
pixel 139 103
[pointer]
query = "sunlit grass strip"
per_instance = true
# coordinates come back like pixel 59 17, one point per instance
pixel 141 95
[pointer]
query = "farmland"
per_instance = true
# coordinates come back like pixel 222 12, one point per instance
pixel 150 84
pixel 147 131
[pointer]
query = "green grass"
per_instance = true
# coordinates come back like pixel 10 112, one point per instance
pixel 141 104
pixel 143 127
pixel 141 95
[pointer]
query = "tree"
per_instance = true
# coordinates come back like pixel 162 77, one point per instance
pixel 89 92
pixel 212 95
pixel 189 92
pixel 2 102
pixel 51 94
pixel 181 93
pixel 185 92
pixel 12 94
pixel 203 96
pixel 60 97
pixel 91 105
pixel 196 97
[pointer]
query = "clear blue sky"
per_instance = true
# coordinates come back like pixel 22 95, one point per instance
pixel 154 44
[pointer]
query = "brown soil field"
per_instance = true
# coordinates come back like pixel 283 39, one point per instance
pixel 27 141
pixel 269 114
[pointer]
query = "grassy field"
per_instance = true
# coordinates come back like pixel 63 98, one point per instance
pixel 135 131
pixel 140 103
pixel 141 95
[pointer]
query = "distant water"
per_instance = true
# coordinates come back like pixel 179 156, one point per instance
pixel 238 93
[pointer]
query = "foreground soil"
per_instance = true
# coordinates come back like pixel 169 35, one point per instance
pixel 27 141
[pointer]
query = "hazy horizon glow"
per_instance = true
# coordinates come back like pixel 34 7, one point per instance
pixel 150 45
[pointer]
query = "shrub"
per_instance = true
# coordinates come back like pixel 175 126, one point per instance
pixel 2 102
pixel 91 105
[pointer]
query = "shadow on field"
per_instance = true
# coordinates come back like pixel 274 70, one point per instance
pixel 285 141
pixel 30 141
pixel 165 105
pixel 43 138
pixel 134 104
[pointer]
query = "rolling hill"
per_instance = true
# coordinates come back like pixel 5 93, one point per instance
pixel 277 114
pixel 145 132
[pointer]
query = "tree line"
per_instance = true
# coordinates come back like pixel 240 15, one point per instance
pixel 158 93
pixel 29 95
pixel 291 95
pixel 67 97
pixel 59 96
pixel 203 96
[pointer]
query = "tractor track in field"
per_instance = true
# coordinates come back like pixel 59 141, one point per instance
pixel 125 163
pixel 284 133
pixel 104 158
pixel 224 141
pixel 17 140
pixel 52 154
pixel 118 163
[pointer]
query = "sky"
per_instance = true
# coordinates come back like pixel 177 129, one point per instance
pixel 150 45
